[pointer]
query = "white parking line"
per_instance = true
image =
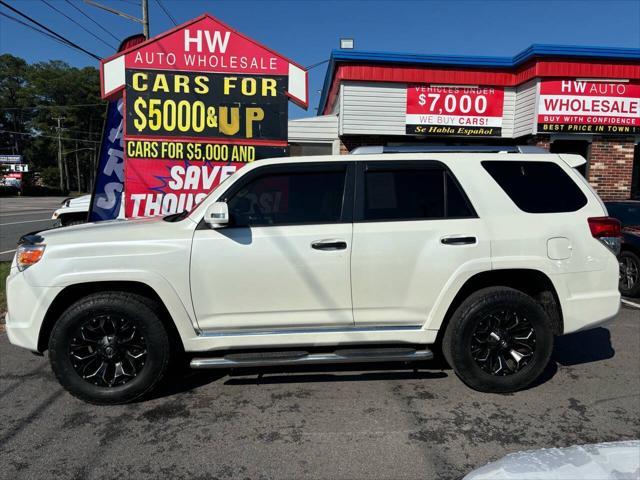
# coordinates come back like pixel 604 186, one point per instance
pixel 26 212
pixel 26 221
pixel 7 251
pixel 627 302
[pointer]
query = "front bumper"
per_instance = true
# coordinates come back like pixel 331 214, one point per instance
pixel 27 306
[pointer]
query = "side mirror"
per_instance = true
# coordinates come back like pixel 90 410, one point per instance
pixel 217 215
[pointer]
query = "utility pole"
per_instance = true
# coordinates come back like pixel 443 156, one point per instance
pixel 59 119
pixel 145 18
pixel 66 173
pixel 78 168
pixel 144 21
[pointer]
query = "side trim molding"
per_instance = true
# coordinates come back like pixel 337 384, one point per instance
pixel 292 331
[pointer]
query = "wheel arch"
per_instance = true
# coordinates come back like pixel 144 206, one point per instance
pixel 75 292
pixel 628 247
pixel 532 282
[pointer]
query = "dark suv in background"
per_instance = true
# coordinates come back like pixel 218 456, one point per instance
pixel 628 212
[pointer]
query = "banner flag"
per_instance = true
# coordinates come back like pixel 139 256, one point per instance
pixel 109 182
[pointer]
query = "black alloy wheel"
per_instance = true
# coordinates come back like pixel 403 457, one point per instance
pixel 629 274
pixel 498 340
pixel 110 347
pixel 108 350
pixel 503 342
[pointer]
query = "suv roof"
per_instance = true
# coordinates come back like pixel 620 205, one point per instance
pixel 571 159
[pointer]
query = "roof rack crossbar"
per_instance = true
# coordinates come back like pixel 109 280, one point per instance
pixel 447 148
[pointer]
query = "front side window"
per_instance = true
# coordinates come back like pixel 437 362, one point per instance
pixel 289 198
pixel 412 193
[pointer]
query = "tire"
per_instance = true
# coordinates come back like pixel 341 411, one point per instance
pixel 468 340
pixel 629 274
pixel 110 328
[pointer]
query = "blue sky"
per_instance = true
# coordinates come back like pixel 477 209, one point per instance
pixel 307 30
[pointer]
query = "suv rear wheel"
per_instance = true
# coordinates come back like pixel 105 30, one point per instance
pixel 499 340
pixel 109 348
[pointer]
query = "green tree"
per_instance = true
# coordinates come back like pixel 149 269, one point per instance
pixel 33 96
pixel 14 96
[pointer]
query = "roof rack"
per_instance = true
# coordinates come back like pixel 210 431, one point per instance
pixel 448 148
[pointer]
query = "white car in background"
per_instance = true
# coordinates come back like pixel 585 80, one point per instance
pixel 72 211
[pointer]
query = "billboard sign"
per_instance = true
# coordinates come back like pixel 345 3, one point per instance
pixel 585 106
pixel 461 111
pixel 8 159
pixel 201 101
pixel 18 167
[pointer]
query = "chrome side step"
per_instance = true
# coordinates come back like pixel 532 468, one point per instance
pixel 265 359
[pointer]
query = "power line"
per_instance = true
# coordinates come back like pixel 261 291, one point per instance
pixel 81 131
pixel 36 135
pixel 35 29
pixel 316 64
pixel 166 11
pixel 99 26
pixel 77 23
pixel 23 15
pixel 144 21
pixel 36 107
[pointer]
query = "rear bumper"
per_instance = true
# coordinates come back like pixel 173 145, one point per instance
pixel 27 306
pixel 589 311
pixel 588 299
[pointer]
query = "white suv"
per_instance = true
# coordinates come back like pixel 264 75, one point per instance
pixel 358 258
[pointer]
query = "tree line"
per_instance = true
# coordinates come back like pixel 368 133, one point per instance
pixel 48 107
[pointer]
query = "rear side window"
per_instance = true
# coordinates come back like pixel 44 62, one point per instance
pixel 537 187
pixel 411 193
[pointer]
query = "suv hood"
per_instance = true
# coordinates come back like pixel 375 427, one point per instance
pixel 109 231
pixel 78 201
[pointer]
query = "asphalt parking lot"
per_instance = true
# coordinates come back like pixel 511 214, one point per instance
pixel 348 422
pixel 20 215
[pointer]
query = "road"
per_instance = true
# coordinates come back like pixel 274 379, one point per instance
pixel 321 422
pixel 20 215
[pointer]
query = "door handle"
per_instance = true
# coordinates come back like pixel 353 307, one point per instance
pixel 458 240
pixel 329 245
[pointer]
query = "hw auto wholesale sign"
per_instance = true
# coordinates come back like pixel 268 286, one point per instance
pixel 201 101
pixel 454 110
pixel 577 106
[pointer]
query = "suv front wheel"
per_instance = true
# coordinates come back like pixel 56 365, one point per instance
pixel 499 340
pixel 109 348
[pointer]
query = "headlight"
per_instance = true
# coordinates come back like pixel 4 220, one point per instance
pixel 27 255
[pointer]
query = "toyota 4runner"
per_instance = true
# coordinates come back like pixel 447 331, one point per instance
pixel 359 258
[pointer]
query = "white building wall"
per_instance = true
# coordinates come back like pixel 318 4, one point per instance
pixel 314 129
pixel 373 109
pixel 379 109
pixel 508 115
pixel 525 109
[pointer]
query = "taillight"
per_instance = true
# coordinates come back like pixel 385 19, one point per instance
pixel 608 231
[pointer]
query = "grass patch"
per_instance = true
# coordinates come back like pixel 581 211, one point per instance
pixel 4 272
